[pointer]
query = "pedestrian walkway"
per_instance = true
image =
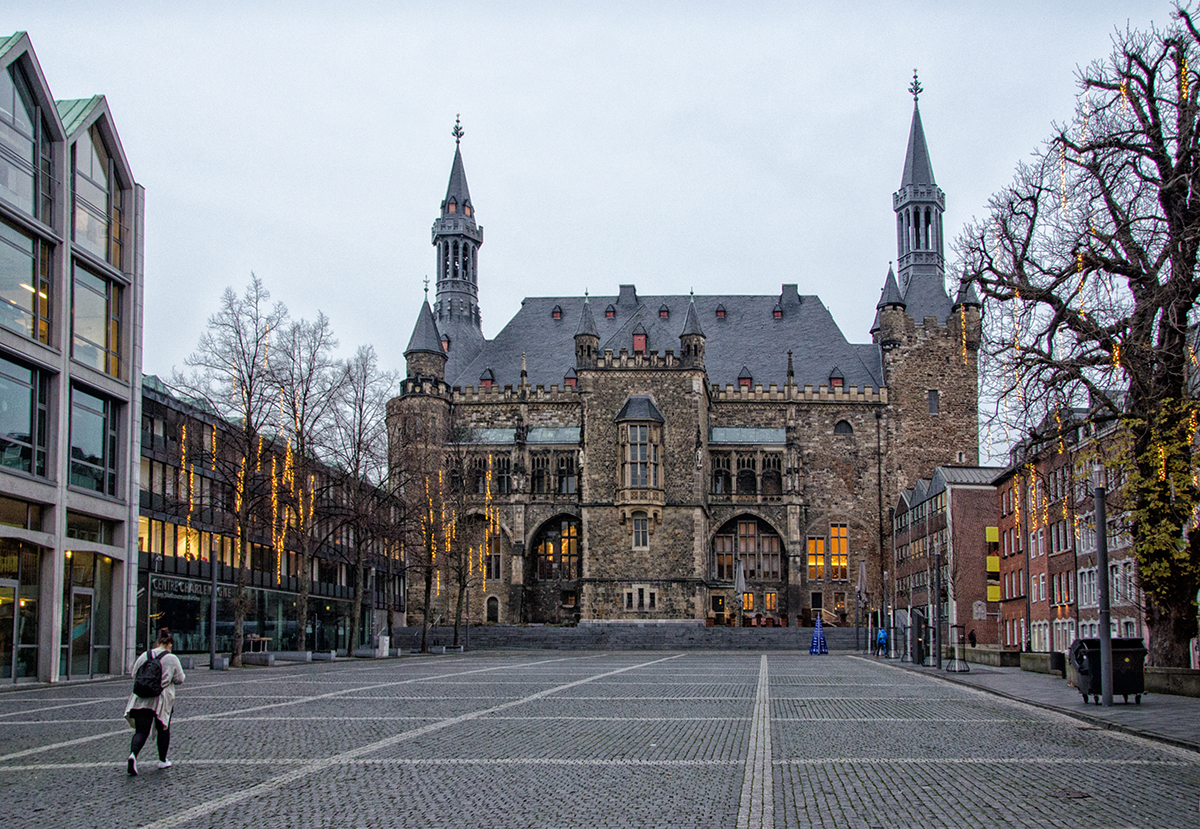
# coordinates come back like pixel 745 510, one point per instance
pixel 1163 717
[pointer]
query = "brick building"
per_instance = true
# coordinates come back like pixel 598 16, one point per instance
pixel 941 522
pixel 1048 543
pixel 668 457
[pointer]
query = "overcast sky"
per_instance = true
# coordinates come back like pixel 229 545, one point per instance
pixel 724 147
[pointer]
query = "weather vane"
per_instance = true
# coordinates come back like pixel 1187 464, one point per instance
pixel 426 287
pixel 458 132
pixel 915 87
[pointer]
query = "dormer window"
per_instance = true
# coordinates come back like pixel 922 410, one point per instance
pixel 445 343
pixel 835 382
pixel 466 210
pixel 610 312
pixel 777 312
pixel 557 312
pixel 720 312
pixel 570 381
pixel 452 207
pixel 745 379
pixel 639 343
pixel 487 379
pixel 664 312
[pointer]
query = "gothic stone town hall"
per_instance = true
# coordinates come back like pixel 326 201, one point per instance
pixel 627 453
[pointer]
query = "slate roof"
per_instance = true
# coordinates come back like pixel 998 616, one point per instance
pixel 425 335
pixel 748 335
pixel 587 324
pixel 74 112
pixel 891 292
pixel 925 296
pixel 691 323
pixel 639 407
pixel 918 169
pixel 457 188
pixel 747 434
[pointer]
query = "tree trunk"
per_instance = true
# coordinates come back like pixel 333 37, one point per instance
pixel 428 610
pixel 458 611
pixel 356 608
pixel 305 590
pixel 1172 627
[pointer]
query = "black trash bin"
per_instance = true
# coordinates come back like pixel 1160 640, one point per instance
pixel 1129 659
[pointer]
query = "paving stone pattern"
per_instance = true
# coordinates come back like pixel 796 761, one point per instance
pixel 584 739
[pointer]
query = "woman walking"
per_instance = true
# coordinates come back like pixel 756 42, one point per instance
pixel 150 706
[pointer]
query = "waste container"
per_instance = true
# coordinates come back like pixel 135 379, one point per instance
pixel 1128 659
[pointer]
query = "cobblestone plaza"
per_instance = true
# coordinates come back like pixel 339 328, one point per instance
pixel 583 739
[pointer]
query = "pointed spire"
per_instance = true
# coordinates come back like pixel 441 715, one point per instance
pixel 891 292
pixel 457 190
pixel 587 325
pixel 917 167
pixel 691 323
pixel 425 335
pixel 967 295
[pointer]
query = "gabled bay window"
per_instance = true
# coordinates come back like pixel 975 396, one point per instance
pixel 25 149
pixel 99 215
pixel 96 321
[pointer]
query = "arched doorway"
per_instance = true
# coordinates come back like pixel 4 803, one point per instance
pixel 493 610
pixel 555 567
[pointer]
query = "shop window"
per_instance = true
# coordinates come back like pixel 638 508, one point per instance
pixel 23 418
pixel 90 528
pixel 93 442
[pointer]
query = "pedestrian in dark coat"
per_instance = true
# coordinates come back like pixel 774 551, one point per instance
pixel 143 712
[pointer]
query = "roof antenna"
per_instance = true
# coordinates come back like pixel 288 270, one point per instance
pixel 458 132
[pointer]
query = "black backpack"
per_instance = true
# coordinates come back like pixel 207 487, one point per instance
pixel 147 682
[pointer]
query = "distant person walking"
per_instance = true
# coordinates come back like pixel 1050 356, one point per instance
pixel 881 642
pixel 156 673
pixel 971 637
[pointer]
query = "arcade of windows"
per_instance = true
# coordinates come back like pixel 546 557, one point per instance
pixel 757 473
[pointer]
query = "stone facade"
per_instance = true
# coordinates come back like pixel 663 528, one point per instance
pixel 652 453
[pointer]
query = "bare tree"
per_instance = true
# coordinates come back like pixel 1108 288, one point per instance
pixel 307 380
pixel 1087 268
pixel 230 375
pixel 358 452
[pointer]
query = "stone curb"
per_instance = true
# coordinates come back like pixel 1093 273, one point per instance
pixel 1090 719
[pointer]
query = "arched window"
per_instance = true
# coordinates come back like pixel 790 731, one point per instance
pixel 557 549
pixel 752 542
pixel 772 478
pixel 747 478
pixel 843 428
pixel 722 483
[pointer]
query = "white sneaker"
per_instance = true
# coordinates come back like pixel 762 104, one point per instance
pixel 164 764
pixel 131 766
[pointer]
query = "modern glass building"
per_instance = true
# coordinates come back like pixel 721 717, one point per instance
pixel 71 224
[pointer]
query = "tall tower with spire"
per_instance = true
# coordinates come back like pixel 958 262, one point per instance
pixel 919 204
pixel 458 238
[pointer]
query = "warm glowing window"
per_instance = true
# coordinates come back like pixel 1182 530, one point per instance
pixel 747 601
pixel 769 602
pixel 839 547
pixel 816 558
pixel 558 550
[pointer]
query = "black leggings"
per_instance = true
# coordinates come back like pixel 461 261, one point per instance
pixel 144 718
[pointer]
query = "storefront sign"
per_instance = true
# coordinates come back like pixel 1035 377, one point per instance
pixel 183 588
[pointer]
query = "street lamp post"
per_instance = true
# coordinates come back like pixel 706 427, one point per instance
pixel 1106 673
